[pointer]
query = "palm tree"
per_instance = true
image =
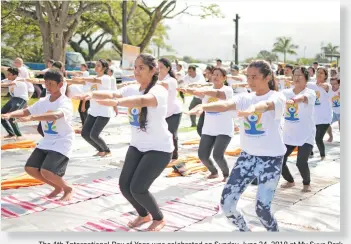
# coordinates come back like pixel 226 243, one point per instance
pixel 284 45
pixel 330 49
pixel 268 56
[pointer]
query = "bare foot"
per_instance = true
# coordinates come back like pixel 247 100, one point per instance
pixel 55 192
pixel 225 179
pixel 156 225
pixel 9 137
pixel 67 195
pixel 78 131
pixel 330 139
pixel 212 176
pixel 287 185
pixel 106 154
pixel 139 221
pixel 322 158
pixel 306 188
pixel 99 154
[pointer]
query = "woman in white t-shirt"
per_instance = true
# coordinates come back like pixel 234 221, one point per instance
pixel 174 114
pixel 98 115
pixel 261 142
pixel 218 126
pixel 323 114
pixel 335 97
pixel 151 144
pixel 299 128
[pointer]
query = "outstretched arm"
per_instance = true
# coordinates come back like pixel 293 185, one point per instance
pixel 147 100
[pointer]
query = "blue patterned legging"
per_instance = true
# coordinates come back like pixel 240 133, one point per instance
pixel 247 168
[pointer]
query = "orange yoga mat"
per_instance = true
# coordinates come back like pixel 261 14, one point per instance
pixel 234 152
pixel 20 181
pixel 20 144
pixel 191 142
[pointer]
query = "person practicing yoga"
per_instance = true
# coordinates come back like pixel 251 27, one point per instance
pixel 215 137
pixel 151 144
pixel 261 141
pixel 299 129
pixel 48 161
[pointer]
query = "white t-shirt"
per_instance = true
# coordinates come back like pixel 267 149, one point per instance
pixel 58 134
pixel 299 127
pixel 335 101
pixel 323 112
pixel 231 81
pixel 218 123
pixel 197 79
pixel 20 89
pixel 24 73
pixel 174 105
pixel 156 137
pixel 95 108
pixel 113 83
pixel 261 133
pixel 180 75
pixel 284 84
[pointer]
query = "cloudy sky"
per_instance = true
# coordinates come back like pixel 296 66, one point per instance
pixel 308 23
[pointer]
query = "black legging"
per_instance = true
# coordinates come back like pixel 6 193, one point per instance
pixel 303 154
pixel 83 115
pixel 11 126
pixel 320 132
pixel 139 171
pixel 196 101
pixel 219 144
pixel 200 123
pixel 92 128
pixel 173 122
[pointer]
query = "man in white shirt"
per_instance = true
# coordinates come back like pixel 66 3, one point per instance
pixel 219 63
pixel 193 79
pixel 18 91
pixel 24 73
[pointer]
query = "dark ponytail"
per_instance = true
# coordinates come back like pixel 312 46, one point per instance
pixel 150 61
pixel 168 64
pixel 265 68
pixel 104 65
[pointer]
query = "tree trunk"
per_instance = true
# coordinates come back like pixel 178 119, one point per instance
pixel 58 46
pixel 46 36
pixel 157 18
pixel 284 57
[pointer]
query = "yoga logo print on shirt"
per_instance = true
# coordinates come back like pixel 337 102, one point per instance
pixel 50 127
pixel 212 100
pixel 318 96
pixel 94 87
pixel 287 84
pixel 336 101
pixel 252 124
pixel 133 115
pixel 291 112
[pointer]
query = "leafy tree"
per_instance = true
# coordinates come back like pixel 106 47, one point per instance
pixel 285 46
pixel 20 36
pixel 268 56
pixel 57 21
pixel 330 49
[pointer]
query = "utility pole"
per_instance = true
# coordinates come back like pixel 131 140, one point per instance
pixel 236 44
pixel 304 52
pixel 124 22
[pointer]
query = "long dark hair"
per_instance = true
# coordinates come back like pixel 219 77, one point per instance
pixel 168 64
pixel 265 69
pixel 150 61
pixel 104 65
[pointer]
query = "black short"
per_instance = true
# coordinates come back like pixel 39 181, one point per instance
pixel 52 161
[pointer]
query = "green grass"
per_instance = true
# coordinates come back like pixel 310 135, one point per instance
pixel 186 129
pixel 4 100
